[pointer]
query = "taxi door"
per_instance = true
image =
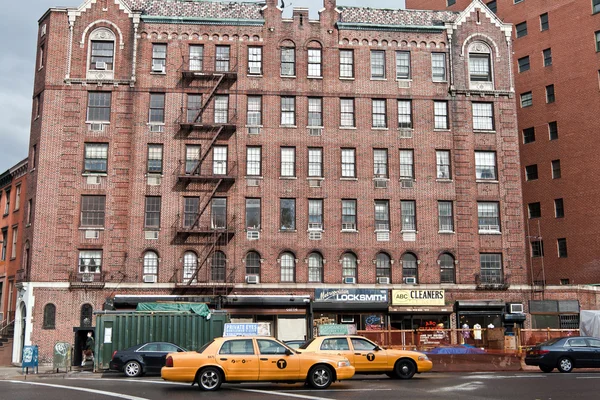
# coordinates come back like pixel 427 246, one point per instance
pixel 238 359
pixel 337 346
pixel 274 363
pixel 366 357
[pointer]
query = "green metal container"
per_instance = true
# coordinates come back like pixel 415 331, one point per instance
pixel 119 330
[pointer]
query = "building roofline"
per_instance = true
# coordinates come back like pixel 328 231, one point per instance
pixel 56 9
pixel 359 26
pixel 201 20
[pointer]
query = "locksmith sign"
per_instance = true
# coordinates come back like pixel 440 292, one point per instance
pixel 351 295
pixel 418 297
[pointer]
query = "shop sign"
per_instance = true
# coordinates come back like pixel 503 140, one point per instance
pixel 418 297
pixel 351 295
pixel 251 329
pixel 337 329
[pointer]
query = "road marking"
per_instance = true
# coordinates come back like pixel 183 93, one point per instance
pixel 502 376
pixel 103 392
pixel 470 386
pixel 587 377
pixel 341 390
pixel 130 380
pixel 286 394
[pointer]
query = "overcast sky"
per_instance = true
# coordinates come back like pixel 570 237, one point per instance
pixel 17 59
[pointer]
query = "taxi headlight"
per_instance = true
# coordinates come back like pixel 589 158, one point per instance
pixel 344 363
pixel 423 357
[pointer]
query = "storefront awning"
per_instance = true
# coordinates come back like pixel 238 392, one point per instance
pixel 422 310
pixel 480 304
pixel 514 317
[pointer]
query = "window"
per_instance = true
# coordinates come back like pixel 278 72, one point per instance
pixel 521 29
pixel 595 6
pixel 380 163
pixel 315 267
pixel 314 63
pixel 491 268
pixel 550 98
pixel 315 111
pixel 440 115
pixel 220 160
pixel 348 163
pixel 4 244
pixel 192 159
pixel 102 56
pixel 379 118
pixel 7 203
pixel 253 263
pixel 483 116
pixel 253 161
pixel 222 58
pixel 196 57
pixel 36 106
pixel 217 268
pixel 528 135
pixel 547 57
pixel 450 2
pixel 288 267
pixel 597 34
pixel 152 217
pixel 194 104
pixel 29 211
pixel 480 67
pixel 382 266
pixel 526 99
pixel 531 172
pixel 553 130
pixel 445 217
pixel 90 261
pixel 190 265
pixel 402 65
pixel 13 249
pixel 96 157
pixel 287 216
pixel 254 111
pixel 523 64
pixel 288 61
pixel 33 156
pixel 535 210
pixel 382 215
pixel 438 67
pixel 86 315
pixel 221 109
pixel 446 262
pixel 253 214
pixel 537 248
pixel 315 162
pixel 407 164
pixel 377 64
pixel 150 263
pixel 315 214
pixel 409 216
pixel 544 25
pixel 349 265
pixel 92 211
pixel 288 111
pixel 561 244
pixel 190 211
pixel 409 266
pixel 559 209
pixel 346 63
pixel 255 60
pixel 159 57
pixel 492 6
pixel 349 215
pixel 157 108
pixel 347 113
pixel 218 213
pixel 555 169
pixel 288 161
pixel 98 109
pixel 442 159
pixel 49 316
pixel 405 114
pixel 488 216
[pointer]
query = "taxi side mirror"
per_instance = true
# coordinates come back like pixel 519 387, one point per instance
pixel 288 352
pixel 378 348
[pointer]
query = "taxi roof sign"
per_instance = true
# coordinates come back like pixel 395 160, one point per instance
pixel 247 329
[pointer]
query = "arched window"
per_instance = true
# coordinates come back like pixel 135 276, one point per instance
pixel 315 267
pixel 349 265
pixel 288 58
pixel 253 263
pixel 480 65
pixel 190 264
pixel 218 267
pixel 86 315
pixel 150 266
pixel 383 265
pixel 102 50
pixel 409 267
pixel 447 274
pixel 49 316
pixel 288 267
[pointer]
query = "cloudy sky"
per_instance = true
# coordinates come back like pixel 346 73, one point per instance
pixel 18 58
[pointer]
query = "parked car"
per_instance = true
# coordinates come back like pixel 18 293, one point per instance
pixel 254 359
pixel 565 353
pixel 294 344
pixel 143 358
pixel 368 357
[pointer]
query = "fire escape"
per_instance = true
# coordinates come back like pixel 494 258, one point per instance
pixel 207 127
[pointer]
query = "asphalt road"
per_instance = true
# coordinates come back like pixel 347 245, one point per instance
pixel 510 386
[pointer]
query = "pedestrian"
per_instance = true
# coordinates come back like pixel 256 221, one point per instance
pixel 88 349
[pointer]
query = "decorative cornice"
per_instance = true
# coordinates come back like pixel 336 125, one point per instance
pixel 357 26
pixel 201 21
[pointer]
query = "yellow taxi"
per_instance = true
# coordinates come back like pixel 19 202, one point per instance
pixel 254 359
pixel 368 357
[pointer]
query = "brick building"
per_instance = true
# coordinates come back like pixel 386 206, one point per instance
pixel 291 171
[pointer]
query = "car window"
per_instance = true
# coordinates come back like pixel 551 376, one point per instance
pixel 201 349
pixel 335 344
pixel 594 342
pixel 149 347
pixel 576 343
pixel 270 347
pixel 170 348
pixel 306 344
pixel 237 346
pixel 362 344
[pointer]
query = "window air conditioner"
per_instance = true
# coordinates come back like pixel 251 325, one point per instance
pixel 96 127
pixel 381 184
pixel 383 280
pixel 158 68
pixel 253 130
pixel 253 235
pixel 410 280
pixel 349 280
pixel 149 278
pixel 255 70
pixel 252 279
pixel 151 235
pixel 89 234
pixel 315 131
pixel 406 183
pixel 157 128
pixel 101 65
pixel 516 308
pixel 314 183
pixel 87 278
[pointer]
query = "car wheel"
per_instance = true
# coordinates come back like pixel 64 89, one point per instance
pixel 210 379
pixel 320 377
pixel 405 369
pixel 132 369
pixel 565 364
pixel 546 369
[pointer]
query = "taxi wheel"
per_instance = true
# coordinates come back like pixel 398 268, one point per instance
pixel 405 369
pixel 210 379
pixel 132 369
pixel 320 377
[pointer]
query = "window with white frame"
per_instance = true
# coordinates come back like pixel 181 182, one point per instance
pixel 7 202
pixel 190 265
pixel 405 114
pixel 221 109
pixel 349 265
pixel 192 158
pixel 403 65
pixel 156 112
pixel 253 161
pixel 315 267
pixel 218 213
pixel 159 57
pixel 315 111
pixel 253 263
pixel 98 109
pixel 288 111
pixel 254 60
pixel 17 197
pixel 348 163
pixel 442 159
pixel 155 158
pixel 288 61
pixel 348 214
pixel 447 274
pixel 90 261
pixel 347 119
pixel 409 266
pixel 479 66
pixel 4 244
pixel 15 236
pixel 445 216
pixel 219 160
pixel 407 164
pixel 438 67
pixel 346 63
pixel 379 114
pixel 150 263
pixel 383 266
pixel 194 104
pixel 409 215
pixel 102 53
pixel 483 116
pixel 485 165
pixel 222 59
pixel 440 115
pixel 315 63
pixel 315 162
pixel 288 162
pixel 196 57
pixel 377 64
pixel 254 113
pixel 96 158
pixel 152 212
pixel 488 215
pixel 380 163
pixel 252 214
pixel 288 267
pixel 382 215
pixel 315 214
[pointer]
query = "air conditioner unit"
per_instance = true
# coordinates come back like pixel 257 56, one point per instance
pixel 315 235
pixel 151 235
pixel 253 235
pixel 252 182
pixel 100 65
pixel 157 128
pixel 348 227
pixel 252 279
pixel 489 228
pixel 154 180
pixel 410 280
pixel 96 127
pixel 350 280
pixel 315 183
pixel 255 70
pixel 404 84
pixel 253 130
pixel 315 131
pixel 347 319
pixel 381 184
pixel 383 236
pixel 93 180
pixel 158 68
pixel 92 234
pixel 406 134
pixel 383 280
pixel 87 278
pixel 406 183
pixel 149 278
pixel 516 308
pixel 315 226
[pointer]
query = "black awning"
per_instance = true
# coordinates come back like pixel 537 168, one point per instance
pixel 514 317
pixel 480 305
pixel 341 306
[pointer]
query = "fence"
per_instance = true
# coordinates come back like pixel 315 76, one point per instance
pixel 531 337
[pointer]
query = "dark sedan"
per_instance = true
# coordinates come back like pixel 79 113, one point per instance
pixel 565 354
pixel 143 358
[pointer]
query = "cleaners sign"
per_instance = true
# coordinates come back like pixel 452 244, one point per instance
pixel 418 298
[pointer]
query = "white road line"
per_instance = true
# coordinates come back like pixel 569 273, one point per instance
pixel 102 392
pixel 341 390
pixel 286 394
pixel 497 377
pixel 587 377
pixel 130 380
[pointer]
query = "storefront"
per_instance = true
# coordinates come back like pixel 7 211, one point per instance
pixel 485 313
pixel 419 309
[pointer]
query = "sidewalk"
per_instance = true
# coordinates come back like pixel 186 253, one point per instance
pixel 47 372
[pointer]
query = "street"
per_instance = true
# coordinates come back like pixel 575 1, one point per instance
pixel 521 385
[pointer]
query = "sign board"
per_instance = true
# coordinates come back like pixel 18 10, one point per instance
pixel 250 329
pixel 337 329
pixel 62 356
pixel 351 295
pixel 30 357
pixel 418 297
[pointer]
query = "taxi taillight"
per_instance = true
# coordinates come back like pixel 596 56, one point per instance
pixel 114 352
pixel 169 362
